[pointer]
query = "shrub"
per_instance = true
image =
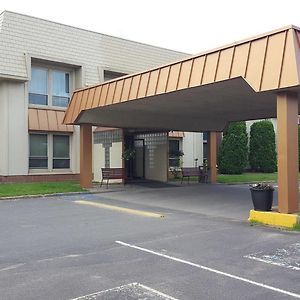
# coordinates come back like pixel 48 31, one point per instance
pixel 233 152
pixel 262 156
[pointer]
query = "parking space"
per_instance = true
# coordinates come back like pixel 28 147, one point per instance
pixel 129 291
pixel 113 246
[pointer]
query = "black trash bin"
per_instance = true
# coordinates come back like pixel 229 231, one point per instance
pixel 262 197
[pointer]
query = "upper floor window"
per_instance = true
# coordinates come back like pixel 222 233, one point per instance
pixel 60 88
pixel 49 87
pixel 38 86
pixel 109 75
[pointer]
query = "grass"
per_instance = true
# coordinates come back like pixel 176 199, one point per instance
pixel 242 178
pixel 38 188
pixel 256 223
pixel 296 227
pixel 247 178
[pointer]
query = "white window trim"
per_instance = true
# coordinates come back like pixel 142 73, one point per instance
pixel 50 154
pixel 50 70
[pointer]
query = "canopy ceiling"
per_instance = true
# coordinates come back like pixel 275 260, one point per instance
pixel 199 93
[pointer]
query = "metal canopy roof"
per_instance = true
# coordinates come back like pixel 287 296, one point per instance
pixel 199 93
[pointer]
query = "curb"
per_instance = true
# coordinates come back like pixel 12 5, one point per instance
pixel 274 218
pixel 56 194
pixel 42 195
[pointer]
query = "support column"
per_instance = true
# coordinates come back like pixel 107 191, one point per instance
pixel 86 156
pixel 287 138
pixel 212 156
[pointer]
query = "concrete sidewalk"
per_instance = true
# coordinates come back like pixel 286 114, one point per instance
pixel 228 201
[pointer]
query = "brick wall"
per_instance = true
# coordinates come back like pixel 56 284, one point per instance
pixel 39 178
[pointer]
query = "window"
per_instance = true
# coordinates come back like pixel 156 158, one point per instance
pixel 38 86
pixel 174 153
pixel 49 151
pixel 109 75
pixel 60 88
pixel 38 151
pixel 205 145
pixel 61 152
pixel 205 151
pixel 49 87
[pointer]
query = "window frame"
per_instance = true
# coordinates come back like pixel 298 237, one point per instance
pixel 35 157
pixel 47 86
pixel 205 145
pixel 177 158
pixel 51 81
pixel 50 71
pixel 60 158
pixel 111 75
pixel 50 145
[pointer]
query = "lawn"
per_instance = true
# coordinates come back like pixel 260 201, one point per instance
pixel 247 178
pixel 37 188
pixel 243 178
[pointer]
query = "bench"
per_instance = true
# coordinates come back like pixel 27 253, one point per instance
pixel 200 172
pixel 111 173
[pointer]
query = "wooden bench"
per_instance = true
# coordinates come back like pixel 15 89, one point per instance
pixel 111 173
pixel 200 172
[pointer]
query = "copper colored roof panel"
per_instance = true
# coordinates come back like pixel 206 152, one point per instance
pixel 267 62
pixel 47 120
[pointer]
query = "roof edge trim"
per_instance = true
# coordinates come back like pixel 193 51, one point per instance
pixel 224 47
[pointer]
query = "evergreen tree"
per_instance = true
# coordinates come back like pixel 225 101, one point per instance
pixel 262 156
pixel 233 152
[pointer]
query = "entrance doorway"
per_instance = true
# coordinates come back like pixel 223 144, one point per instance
pixel 139 159
pixel 135 165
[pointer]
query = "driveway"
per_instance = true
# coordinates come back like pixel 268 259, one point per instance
pixel 144 243
pixel 220 200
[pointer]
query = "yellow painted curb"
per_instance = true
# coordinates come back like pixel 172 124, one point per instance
pixel 273 218
pixel 120 209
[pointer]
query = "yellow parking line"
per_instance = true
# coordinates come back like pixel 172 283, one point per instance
pixel 120 209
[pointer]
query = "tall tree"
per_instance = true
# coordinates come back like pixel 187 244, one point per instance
pixel 233 152
pixel 262 156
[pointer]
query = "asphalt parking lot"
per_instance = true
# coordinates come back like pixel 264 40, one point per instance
pixel 180 242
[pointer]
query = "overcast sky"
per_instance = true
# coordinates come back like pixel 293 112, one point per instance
pixel 188 25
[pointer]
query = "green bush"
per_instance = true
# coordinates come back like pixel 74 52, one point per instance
pixel 262 156
pixel 233 151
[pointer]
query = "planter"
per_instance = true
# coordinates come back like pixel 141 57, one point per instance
pixel 262 199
